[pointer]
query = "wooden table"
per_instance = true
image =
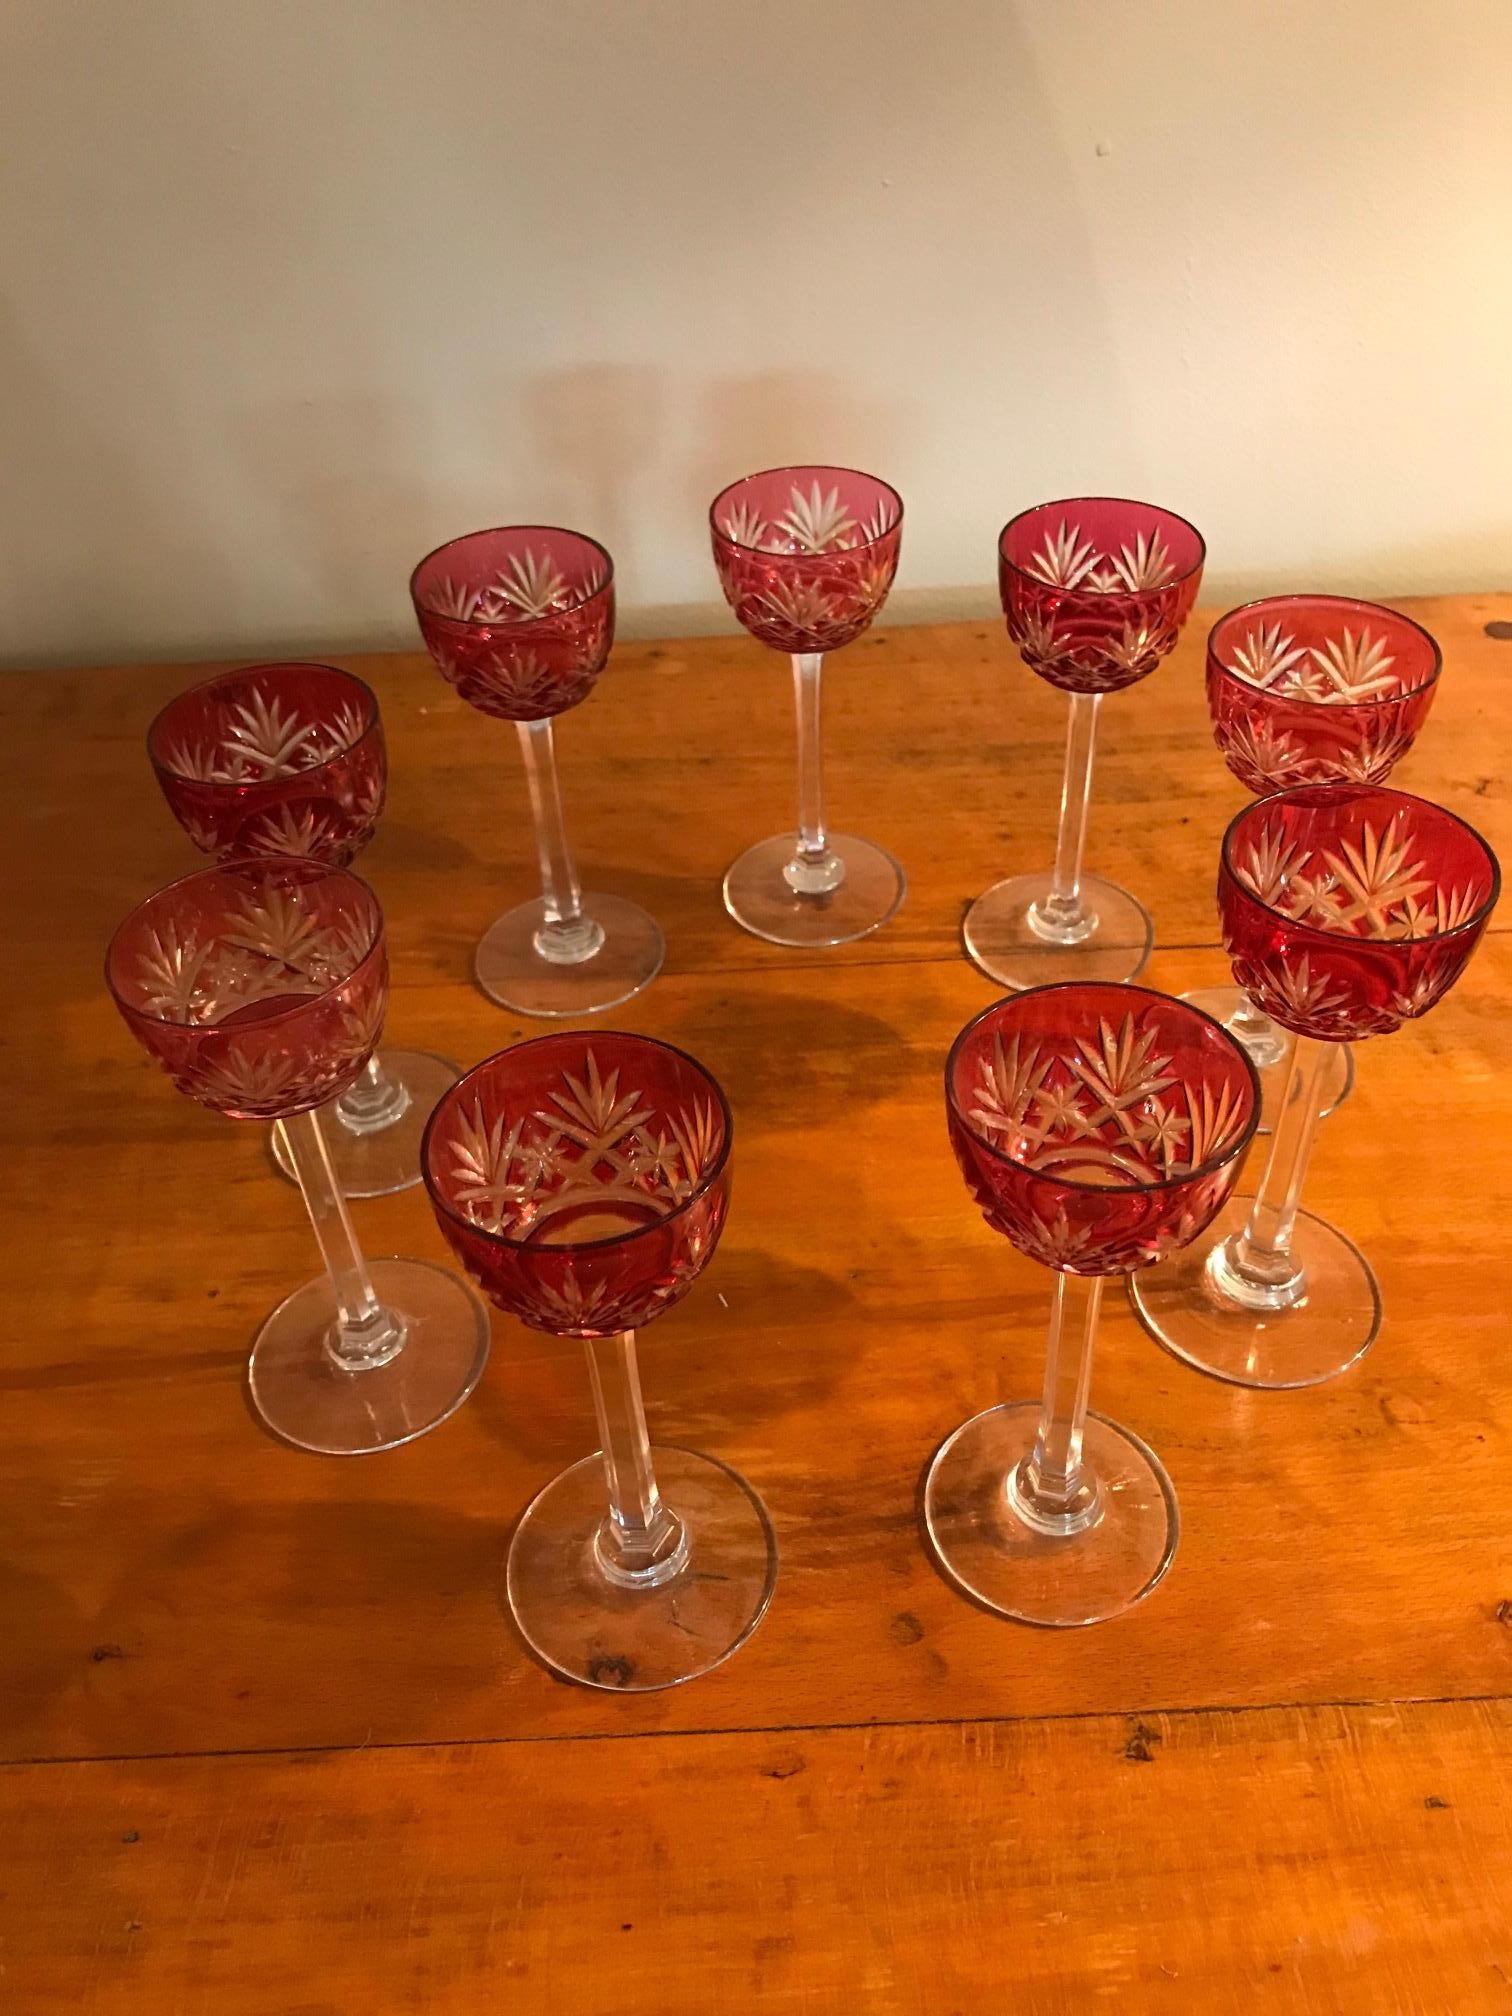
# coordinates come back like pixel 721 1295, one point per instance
pixel 271 1744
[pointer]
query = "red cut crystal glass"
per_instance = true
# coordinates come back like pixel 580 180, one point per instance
pixel 289 761
pixel 806 556
pixel 1095 591
pixel 1099 1127
pixel 1317 689
pixel 1348 909
pixel 260 988
pixel 1310 689
pixel 520 620
pixel 274 759
pixel 583 1181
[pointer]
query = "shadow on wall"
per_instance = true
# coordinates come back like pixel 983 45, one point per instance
pixel 706 240
pixel 596 432
pixel 910 205
pixel 344 481
pixel 96 545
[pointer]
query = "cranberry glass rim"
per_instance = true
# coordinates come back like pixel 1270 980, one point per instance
pixel 1134 503
pixel 804 469
pixel 507 622
pixel 453 1095
pixel 263 864
pixel 1274 604
pixel 166 769
pixel 1302 793
pixel 1209 1168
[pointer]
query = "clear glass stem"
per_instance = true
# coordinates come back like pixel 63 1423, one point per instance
pixel 1255 1267
pixel 1250 1024
pixel 365 1334
pixel 567 937
pixel 1052 1490
pixel 1265 1040
pixel 376 1101
pixel 641 1544
pixel 814 870
pixel 1063 919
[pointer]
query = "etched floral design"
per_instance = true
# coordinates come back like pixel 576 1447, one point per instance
pixel 529 586
pixel 806 557
pixel 1305 995
pixel 1372 756
pixel 1266 656
pixel 260 994
pixel 1067 560
pixel 817 522
pixel 304 831
pixel 1096 602
pixel 520 626
pixel 1098 1125
pixel 1317 689
pixel 1368 887
pixel 270 944
pixel 1265 750
pixel 1037 637
pixel 1137 649
pixel 1102 1110
pixel 287 760
pixel 584 1185
pixel 261 737
pixel 1348 908
pixel 744 524
pixel 812 522
pixel 1341 671
pixel 1420 992
pixel 591 1144
pixel 806 607
pixel 171 973
pixel 799 605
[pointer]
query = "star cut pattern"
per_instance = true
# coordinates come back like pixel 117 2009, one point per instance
pixel 595 1142
pixel 1108 1111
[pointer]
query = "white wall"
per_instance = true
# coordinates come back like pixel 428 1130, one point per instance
pixel 292 289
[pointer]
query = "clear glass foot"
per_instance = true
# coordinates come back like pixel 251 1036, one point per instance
pixel 1111 1553
pixel 854 890
pixel 1269 1047
pixel 301 1395
pixel 522 965
pixel 1315 1329
pixel 376 1151
pixel 1012 934
pixel 604 1631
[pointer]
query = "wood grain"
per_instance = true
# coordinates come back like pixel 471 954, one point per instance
pixel 175 1586
pixel 857 1311
pixel 1345 1864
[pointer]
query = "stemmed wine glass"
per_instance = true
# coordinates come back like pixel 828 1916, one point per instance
pixel 1099 1127
pixel 1095 591
pixel 805 557
pixel 583 1182
pixel 260 989
pixel 289 761
pixel 520 621
pixel 1310 689
pixel 1348 909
